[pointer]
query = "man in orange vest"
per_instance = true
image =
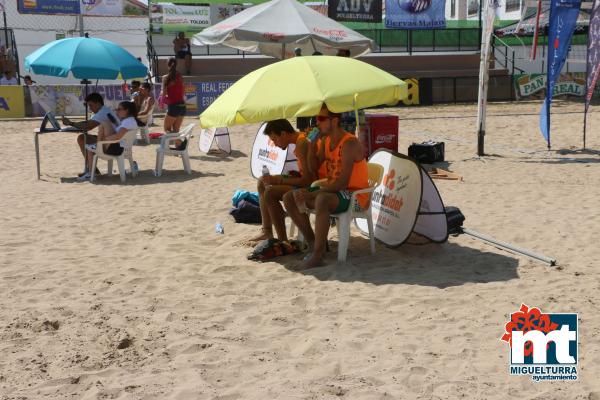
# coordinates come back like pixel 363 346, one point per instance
pixel 346 171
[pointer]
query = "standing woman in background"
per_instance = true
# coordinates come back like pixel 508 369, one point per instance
pixel 173 94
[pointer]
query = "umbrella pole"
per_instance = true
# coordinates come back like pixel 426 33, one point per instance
pixel 283 51
pixel 357 128
pixel 86 83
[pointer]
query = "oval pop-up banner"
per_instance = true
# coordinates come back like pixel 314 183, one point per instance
pixel 218 135
pixel 406 201
pixel 264 152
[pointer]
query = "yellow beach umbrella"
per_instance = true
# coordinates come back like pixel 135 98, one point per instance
pixel 299 87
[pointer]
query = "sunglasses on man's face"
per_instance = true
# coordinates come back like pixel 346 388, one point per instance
pixel 120 109
pixel 322 118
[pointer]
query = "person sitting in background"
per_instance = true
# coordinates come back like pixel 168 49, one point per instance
pixel 147 103
pixel 102 116
pixel 27 81
pixel 347 171
pixel 134 91
pixel 127 113
pixel 8 79
pixel 183 50
pixel 343 53
pixel 271 188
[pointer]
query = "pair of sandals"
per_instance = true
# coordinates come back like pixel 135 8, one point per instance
pixel 272 248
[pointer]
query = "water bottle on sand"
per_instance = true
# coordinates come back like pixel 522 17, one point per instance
pixel 219 229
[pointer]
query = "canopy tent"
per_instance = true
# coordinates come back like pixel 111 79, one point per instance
pixel 277 27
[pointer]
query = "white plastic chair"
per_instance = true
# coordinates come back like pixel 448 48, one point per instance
pixel 128 141
pixel 145 130
pixel 164 149
pixel 354 211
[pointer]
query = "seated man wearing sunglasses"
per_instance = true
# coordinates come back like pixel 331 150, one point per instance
pixel 102 115
pixel 347 171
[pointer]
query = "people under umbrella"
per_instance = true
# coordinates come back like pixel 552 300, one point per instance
pixel 334 157
pixel 109 127
pixel 146 102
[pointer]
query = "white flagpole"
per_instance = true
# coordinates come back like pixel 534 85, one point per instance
pixel 486 36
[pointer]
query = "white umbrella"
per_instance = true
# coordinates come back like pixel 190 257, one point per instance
pixel 277 27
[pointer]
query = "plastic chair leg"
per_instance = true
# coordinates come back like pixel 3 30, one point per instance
pixel 110 166
pixel 186 162
pixel 371 233
pixel 133 172
pixel 343 228
pixel 160 156
pixel 121 163
pixel 93 172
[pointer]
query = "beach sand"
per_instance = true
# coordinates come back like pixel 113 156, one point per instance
pixel 111 291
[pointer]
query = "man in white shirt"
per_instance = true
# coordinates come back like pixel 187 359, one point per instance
pixel 8 79
pixel 102 115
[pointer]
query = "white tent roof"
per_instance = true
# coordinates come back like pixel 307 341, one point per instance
pixel 277 27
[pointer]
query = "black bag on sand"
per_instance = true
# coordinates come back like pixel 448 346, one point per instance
pixel 455 220
pixel 247 213
pixel 427 152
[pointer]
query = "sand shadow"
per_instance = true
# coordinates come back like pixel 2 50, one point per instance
pixel 146 177
pixel 438 265
pixel 586 160
pixel 445 165
pixel 578 151
pixel 220 156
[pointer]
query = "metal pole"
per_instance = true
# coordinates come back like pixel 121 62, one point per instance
pixel 85 133
pixel 5 30
pixel 80 20
pixel 509 247
pixel 584 124
pixel 480 27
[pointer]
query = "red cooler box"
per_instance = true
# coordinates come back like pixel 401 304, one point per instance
pixel 382 132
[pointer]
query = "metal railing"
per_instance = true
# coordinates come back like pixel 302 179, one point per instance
pixel 507 56
pixel 11 52
pixel 152 57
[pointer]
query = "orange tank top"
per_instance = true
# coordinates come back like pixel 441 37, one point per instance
pixel 301 136
pixel 359 178
pixel 322 172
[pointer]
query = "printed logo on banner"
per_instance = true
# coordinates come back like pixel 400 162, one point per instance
pixel 543 346
pixel 534 85
pixel 390 198
pixel 265 153
pixel 4 104
pixel 415 14
pixel 355 10
pixel 208 92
